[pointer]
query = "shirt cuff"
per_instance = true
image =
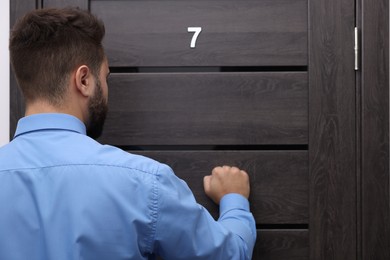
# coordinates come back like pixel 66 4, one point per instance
pixel 233 201
pixel 237 218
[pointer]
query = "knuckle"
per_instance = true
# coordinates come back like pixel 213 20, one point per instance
pixel 216 169
pixel 226 168
pixel 235 170
pixel 243 172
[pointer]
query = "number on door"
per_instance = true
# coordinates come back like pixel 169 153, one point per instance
pixel 196 31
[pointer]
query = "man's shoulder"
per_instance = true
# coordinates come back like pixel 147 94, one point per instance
pixel 8 155
pixel 112 156
pixel 74 150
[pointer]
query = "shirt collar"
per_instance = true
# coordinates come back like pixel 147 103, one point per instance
pixel 51 121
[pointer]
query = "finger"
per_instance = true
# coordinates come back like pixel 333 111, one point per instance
pixel 216 169
pixel 226 167
pixel 206 183
pixel 244 173
pixel 235 170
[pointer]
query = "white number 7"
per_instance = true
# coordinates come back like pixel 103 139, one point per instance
pixel 196 31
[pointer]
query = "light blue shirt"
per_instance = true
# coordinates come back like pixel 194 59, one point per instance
pixel 64 196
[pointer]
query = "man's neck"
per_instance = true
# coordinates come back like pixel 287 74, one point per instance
pixel 40 107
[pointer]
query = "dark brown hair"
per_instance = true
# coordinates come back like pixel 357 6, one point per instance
pixel 46 45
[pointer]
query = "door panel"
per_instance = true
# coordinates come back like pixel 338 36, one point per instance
pixel 234 33
pixel 279 193
pixel 207 109
pixel 282 244
pixel 279 180
pixel 64 3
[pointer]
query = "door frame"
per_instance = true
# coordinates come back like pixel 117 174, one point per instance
pixel 332 130
pixel 373 175
pixel 366 152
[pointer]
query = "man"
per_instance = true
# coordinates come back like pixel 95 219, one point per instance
pixel 65 196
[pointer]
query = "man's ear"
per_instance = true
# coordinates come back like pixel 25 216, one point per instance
pixel 84 80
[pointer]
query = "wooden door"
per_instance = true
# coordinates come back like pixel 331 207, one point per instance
pixel 268 85
pixel 240 96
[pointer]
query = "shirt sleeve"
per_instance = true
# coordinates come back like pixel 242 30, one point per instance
pixel 186 230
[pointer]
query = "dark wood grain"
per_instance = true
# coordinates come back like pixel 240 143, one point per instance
pixel 375 130
pixel 281 244
pixel 207 108
pixel 332 135
pixel 279 180
pixel 234 33
pixel 83 4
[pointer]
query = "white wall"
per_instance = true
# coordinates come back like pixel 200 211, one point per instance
pixel 4 73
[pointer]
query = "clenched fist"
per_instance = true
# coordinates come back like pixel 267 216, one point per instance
pixel 224 180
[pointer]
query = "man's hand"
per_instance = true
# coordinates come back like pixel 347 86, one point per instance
pixel 224 180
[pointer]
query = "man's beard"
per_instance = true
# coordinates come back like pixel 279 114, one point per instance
pixel 97 109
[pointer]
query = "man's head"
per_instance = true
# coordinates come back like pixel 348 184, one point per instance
pixel 58 59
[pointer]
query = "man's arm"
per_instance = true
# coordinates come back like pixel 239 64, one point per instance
pixel 229 187
pixel 186 230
